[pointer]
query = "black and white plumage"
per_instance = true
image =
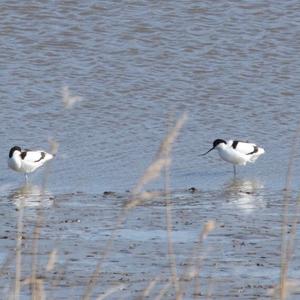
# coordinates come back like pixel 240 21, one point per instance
pixel 237 152
pixel 27 161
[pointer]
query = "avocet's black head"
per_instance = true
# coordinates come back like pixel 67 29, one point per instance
pixel 215 144
pixel 13 149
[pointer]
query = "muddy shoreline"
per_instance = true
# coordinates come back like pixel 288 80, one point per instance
pixel 240 258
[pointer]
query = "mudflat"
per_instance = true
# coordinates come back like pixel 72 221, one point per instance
pixel 239 257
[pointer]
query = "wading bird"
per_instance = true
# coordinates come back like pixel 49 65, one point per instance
pixel 27 161
pixel 236 152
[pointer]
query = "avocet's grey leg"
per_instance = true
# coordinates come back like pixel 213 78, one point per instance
pixel 234 170
pixel 26 178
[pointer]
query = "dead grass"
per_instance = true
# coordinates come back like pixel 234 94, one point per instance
pixel 20 227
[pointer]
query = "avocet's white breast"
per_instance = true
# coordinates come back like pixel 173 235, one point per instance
pixel 239 153
pixel 14 160
pixel 231 155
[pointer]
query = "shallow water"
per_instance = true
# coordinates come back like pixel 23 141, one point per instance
pixel 233 67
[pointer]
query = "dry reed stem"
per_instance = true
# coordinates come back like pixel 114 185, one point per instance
pixel 152 172
pixel 163 291
pixel 142 197
pixel 169 221
pixel 293 231
pixel 292 286
pixel 20 227
pixel 210 289
pixel 162 160
pixel 36 284
pixel 149 287
pixel 39 285
pixel 289 250
pixel 193 263
pixel 208 227
pixel 52 260
pixel 284 261
pixel 40 292
pixel 94 277
pixel 35 288
pixel 61 272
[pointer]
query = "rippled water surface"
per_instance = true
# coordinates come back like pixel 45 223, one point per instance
pixel 234 67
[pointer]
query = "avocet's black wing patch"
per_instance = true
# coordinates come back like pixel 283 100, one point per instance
pixel 234 144
pixel 43 154
pixel 255 149
pixel 23 154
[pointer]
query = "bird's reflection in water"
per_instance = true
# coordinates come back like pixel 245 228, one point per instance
pixel 245 194
pixel 30 195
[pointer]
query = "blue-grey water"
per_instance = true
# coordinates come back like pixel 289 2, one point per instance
pixel 233 66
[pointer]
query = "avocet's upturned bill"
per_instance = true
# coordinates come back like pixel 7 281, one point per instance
pixel 27 161
pixel 237 152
